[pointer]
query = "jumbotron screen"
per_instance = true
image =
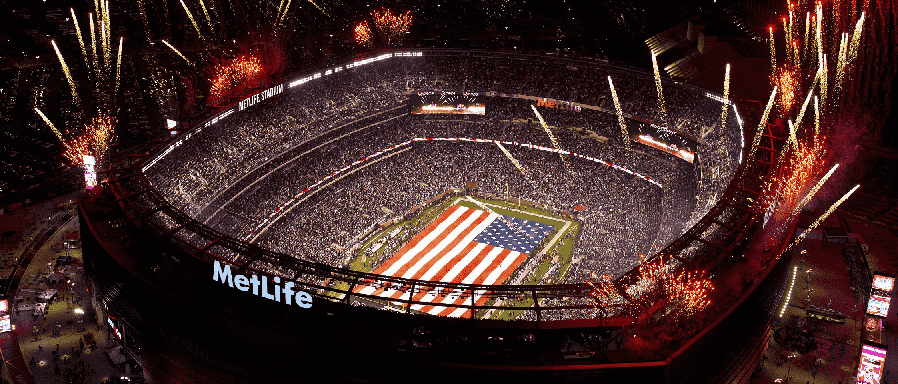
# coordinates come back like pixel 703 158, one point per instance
pixel 663 139
pixel 448 102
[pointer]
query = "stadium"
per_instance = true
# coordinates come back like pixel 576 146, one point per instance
pixel 448 213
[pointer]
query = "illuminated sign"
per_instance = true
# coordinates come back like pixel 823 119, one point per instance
pixel 90 173
pixel 266 94
pixel 878 305
pixel 170 123
pixel 549 103
pixel 4 306
pixel 5 324
pixel 883 283
pixel 870 369
pixel 244 284
pixel 663 139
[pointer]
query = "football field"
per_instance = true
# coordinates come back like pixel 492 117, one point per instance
pixel 463 245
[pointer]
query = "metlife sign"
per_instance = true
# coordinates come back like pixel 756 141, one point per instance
pixel 260 286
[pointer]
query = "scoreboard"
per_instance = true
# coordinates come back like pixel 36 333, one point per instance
pixel 663 139
pixel 447 102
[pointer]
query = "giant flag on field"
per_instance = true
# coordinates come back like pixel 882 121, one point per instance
pixel 463 245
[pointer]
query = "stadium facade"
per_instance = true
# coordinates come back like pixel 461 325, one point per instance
pixel 199 295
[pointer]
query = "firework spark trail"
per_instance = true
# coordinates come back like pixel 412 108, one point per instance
pixel 824 80
pixel 762 123
pixel 143 18
pixel 177 51
pixel 804 107
pixel 816 116
pixel 620 115
pixel 772 52
pixel 856 38
pixel 68 75
pixel 206 15
pixel 514 161
pixel 93 46
pixel 118 65
pixel 793 138
pixel 807 33
pixel 807 199
pixel 823 217
pixel 658 86
pixel 80 40
pixel 319 8
pixel 50 124
pixel 726 97
pixel 545 126
pixel 107 47
pixel 192 21
pixel 788 32
pixel 284 13
pixel 819 33
pixel 840 63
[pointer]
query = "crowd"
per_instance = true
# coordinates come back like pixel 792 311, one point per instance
pixel 228 177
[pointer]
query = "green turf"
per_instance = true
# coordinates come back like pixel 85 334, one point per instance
pixel 508 208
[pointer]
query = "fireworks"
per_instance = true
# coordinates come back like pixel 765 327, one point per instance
pixel 620 114
pixel 97 134
pixel 787 81
pixel 804 108
pixel 177 51
pixel 192 21
pixel 688 293
pixel 389 27
pixel 319 8
pixel 242 72
pixel 513 161
pixel 80 39
pixel 284 12
pixel 726 97
pixel 762 123
pixel 804 164
pixel 813 192
pixel 772 51
pixel 658 86
pixel 545 126
pixel 823 217
pixel 363 35
pixel 118 65
pixel 816 116
pixel 68 75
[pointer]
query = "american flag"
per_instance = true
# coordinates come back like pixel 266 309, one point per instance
pixel 463 245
